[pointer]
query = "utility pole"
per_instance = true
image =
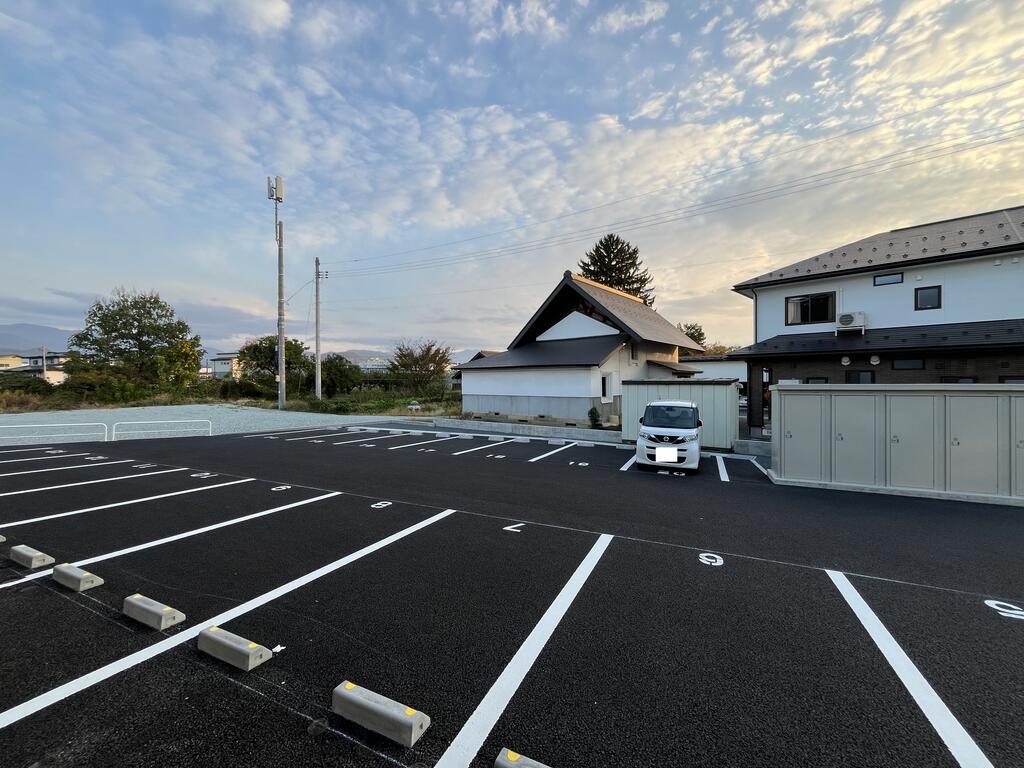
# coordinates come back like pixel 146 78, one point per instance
pixel 275 192
pixel 44 363
pixel 317 277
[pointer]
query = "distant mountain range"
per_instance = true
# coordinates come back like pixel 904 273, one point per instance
pixel 27 338
pixel 359 356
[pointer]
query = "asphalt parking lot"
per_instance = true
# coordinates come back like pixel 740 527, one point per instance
pixel 546 597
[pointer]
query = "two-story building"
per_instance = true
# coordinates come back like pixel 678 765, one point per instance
pixel 573 355
pixel 225 366
pixel 938 302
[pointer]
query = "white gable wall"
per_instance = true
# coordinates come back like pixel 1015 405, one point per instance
pixel 576 325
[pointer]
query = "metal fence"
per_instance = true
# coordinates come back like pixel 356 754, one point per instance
pixel 89 431
pixel 128 430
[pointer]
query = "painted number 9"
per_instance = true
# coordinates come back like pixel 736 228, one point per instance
pixel 1009 610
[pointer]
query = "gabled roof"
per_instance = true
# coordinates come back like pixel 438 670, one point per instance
pixel 963 237
pixel 627 313
pixel 984 334
pixel 564 353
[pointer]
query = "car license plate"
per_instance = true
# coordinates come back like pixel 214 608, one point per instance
pixel 666 453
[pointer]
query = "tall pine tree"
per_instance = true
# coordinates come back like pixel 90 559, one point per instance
pixel 616 263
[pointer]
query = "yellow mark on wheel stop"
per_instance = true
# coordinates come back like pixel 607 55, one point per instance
pixel 513 757
pixel 410 711
pixel 252 645
pixel 349 686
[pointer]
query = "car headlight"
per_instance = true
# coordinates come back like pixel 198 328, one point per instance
pixel 646 435
pixel 689 438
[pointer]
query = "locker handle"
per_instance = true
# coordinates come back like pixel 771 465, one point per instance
pixel 955 441
pixel 894 439
pixel 839 436
pixel 788 433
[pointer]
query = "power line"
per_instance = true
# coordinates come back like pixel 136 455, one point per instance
pixel 700 177
pixel 763 194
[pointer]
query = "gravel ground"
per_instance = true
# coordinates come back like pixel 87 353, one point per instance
pixel 69 426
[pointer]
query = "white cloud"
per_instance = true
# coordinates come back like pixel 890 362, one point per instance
pixel 261 17
pixel 619 19
pixel 325 26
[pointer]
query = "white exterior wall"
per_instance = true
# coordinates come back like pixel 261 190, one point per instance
pixel 986 288
pixel 532 382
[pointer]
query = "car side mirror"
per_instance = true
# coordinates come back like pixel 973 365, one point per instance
pixel 641 421
pixel 700 423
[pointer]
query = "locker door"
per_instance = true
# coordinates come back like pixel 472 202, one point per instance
pixel 853 439
pixel 801 437
pixel 1017 419
pixel 912 456
pixel 973 443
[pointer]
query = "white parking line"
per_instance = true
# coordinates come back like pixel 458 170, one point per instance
pixel 286 432
pixel 44 458
pixel 551 453
pixel 628 464
pixel 61 469
pixel 14 714
pixel 959 742
pixel 175 537
pixel 481 447
pixel 368 438
pixel 123 503
pixel 92 482
pixel 757 464
pixel 467 743
pixel 722 474
pixel 26 450
pixel 425 442
pixel 312 437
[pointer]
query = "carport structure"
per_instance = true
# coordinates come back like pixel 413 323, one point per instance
pixel 545 601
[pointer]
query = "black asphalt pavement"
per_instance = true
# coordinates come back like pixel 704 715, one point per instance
pixel 467 578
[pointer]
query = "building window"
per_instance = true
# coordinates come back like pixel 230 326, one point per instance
pixel 815 308
pixel 816 380
pixel 633 353
pixel 1011 379
pixel 908 364
pixel 604 386
pixel 892 278
pixel 958 379
pixel 929 297
pixel 860 377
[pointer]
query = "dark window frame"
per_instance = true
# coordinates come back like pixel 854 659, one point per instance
pixel 908 360
pixel 958 379
pixel 809 296
pixel 917 297
pixel 816 380
pixel 869 373
pixel 888 282
pixel 1019 379
pixel 604 386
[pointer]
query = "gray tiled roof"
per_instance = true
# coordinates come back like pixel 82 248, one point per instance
pixel 988 333
pixel 564 352
pixel 953 238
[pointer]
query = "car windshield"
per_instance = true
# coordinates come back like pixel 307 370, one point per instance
pixel 670 416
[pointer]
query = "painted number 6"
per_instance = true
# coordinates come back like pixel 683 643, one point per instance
pixel 709 559
pixel 1009 610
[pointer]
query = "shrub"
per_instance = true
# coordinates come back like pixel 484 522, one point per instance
pixel 23 382
pixel 595 418
pixel 243 388
pixel 101 386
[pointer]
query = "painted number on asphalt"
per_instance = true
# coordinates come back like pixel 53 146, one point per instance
pixel 204 474
pixel 667 472
pixel 95 458
pixel 495 456
pixel 142 466
pixel 579 463
pixel 281 488
pixel 380 505
pixel 710 559
pixel 58 451
pixel 1009 610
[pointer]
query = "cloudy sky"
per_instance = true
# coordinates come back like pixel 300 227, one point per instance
pixel 449 160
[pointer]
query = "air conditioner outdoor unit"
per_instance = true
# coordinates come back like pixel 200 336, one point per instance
pixel 852 321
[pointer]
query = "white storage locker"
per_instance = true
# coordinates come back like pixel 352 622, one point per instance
pixel 973 443
pixel 802 444
pixel 913 429
pixel 854 439
pixel 1017 446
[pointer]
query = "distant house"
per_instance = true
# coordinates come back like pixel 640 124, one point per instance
pixel 938 302
pixel 32 365
pixel 225 366
pixel 573 355
pixel 375 365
